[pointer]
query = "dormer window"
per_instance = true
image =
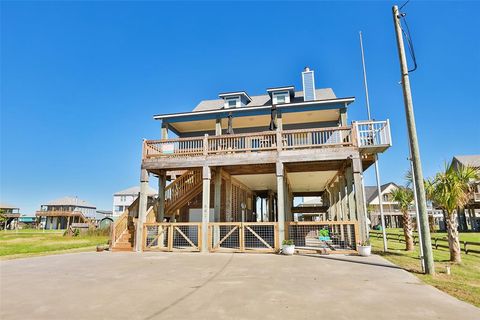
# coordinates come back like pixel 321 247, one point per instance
pixel 235 99
pixel 232 102
pixel 281 97
pixel 282 94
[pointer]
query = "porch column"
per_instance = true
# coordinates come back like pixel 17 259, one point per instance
pixel 218 193
pixel 359 198
pixel 207 175
pixel 164 131
pixel 142 210
pixel 473 220
pixel 218 127
pixel 332 202
pixel 343 117
pixel 281 202
pixel 338 207
pixel 271 216
pixel 162 182
pixel 350 194
pixel 343 198
pixel 228 200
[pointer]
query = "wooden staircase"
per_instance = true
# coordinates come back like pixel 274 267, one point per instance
pixel 182 190
pixel 177 194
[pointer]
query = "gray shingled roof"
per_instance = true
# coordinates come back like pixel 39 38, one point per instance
pixel 134 191
pixel 264 100
pixel 70 201
pixel 469 160
pixel 371 191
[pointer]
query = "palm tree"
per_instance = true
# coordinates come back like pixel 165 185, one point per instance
pixel 404 197
pixel 450 190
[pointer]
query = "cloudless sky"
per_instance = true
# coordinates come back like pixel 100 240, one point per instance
pixel 80 81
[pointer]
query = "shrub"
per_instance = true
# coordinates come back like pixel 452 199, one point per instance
pixel 324 233
pixel 288 242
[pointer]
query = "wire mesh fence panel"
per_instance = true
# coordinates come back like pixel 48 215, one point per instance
pixel 172 236
pixel 333 237
pixel 259 237
pixel 243 237
pixel 185 237
pixel 225 236
pixel 156 237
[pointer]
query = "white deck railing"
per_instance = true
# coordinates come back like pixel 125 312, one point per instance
pixel 373 133
pixel 364 134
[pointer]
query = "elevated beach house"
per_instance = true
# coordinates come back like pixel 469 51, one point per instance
pixel 243 161
pixel 469 217
pixel 10 215
pixel 61 213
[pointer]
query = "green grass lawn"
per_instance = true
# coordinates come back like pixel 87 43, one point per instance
pixel 38 242
pixel 464 281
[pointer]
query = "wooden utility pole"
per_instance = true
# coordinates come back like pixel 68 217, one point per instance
pixel 412 134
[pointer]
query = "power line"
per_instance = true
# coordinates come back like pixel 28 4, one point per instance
pixel 403 5
pixel 407 35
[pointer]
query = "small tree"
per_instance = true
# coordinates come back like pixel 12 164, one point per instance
pixel 450 190
pixel 404 197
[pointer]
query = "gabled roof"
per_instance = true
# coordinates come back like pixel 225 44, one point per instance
pixel 4 205
pixel 264 100
pixel 133 191
pixel 371 191
pixel 468 160
pixel 70 201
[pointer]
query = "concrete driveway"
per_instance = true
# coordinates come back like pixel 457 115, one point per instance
pixel 218 286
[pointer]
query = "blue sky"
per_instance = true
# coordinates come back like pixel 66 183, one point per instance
pixel 80 81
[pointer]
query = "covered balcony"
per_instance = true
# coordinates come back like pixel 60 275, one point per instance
pixel 369 136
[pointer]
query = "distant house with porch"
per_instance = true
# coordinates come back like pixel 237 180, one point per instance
pixel 393 216
pixel 10 214
pixel 124 199
pixel 391 210
pixel 60 213
pixel 245 158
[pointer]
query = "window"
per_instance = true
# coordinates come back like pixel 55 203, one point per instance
pixel 385 197
pixel 231 102
pixel 123 198
pixel 119 208
pixel 281 97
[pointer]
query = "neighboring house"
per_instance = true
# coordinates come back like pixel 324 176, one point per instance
pixel 123 199
pixel 238 149
pixel 11 214
pixel 393 216
pixel 60 213
pixel 391 211
pixel 310 209
pixel 469 217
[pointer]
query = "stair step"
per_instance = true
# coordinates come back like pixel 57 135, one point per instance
pixel 122 249
pixel 129 246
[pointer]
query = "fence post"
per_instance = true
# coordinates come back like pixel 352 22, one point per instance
pixel 144 238
pixel 242 238
pixel 170 237
pixel 465 247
